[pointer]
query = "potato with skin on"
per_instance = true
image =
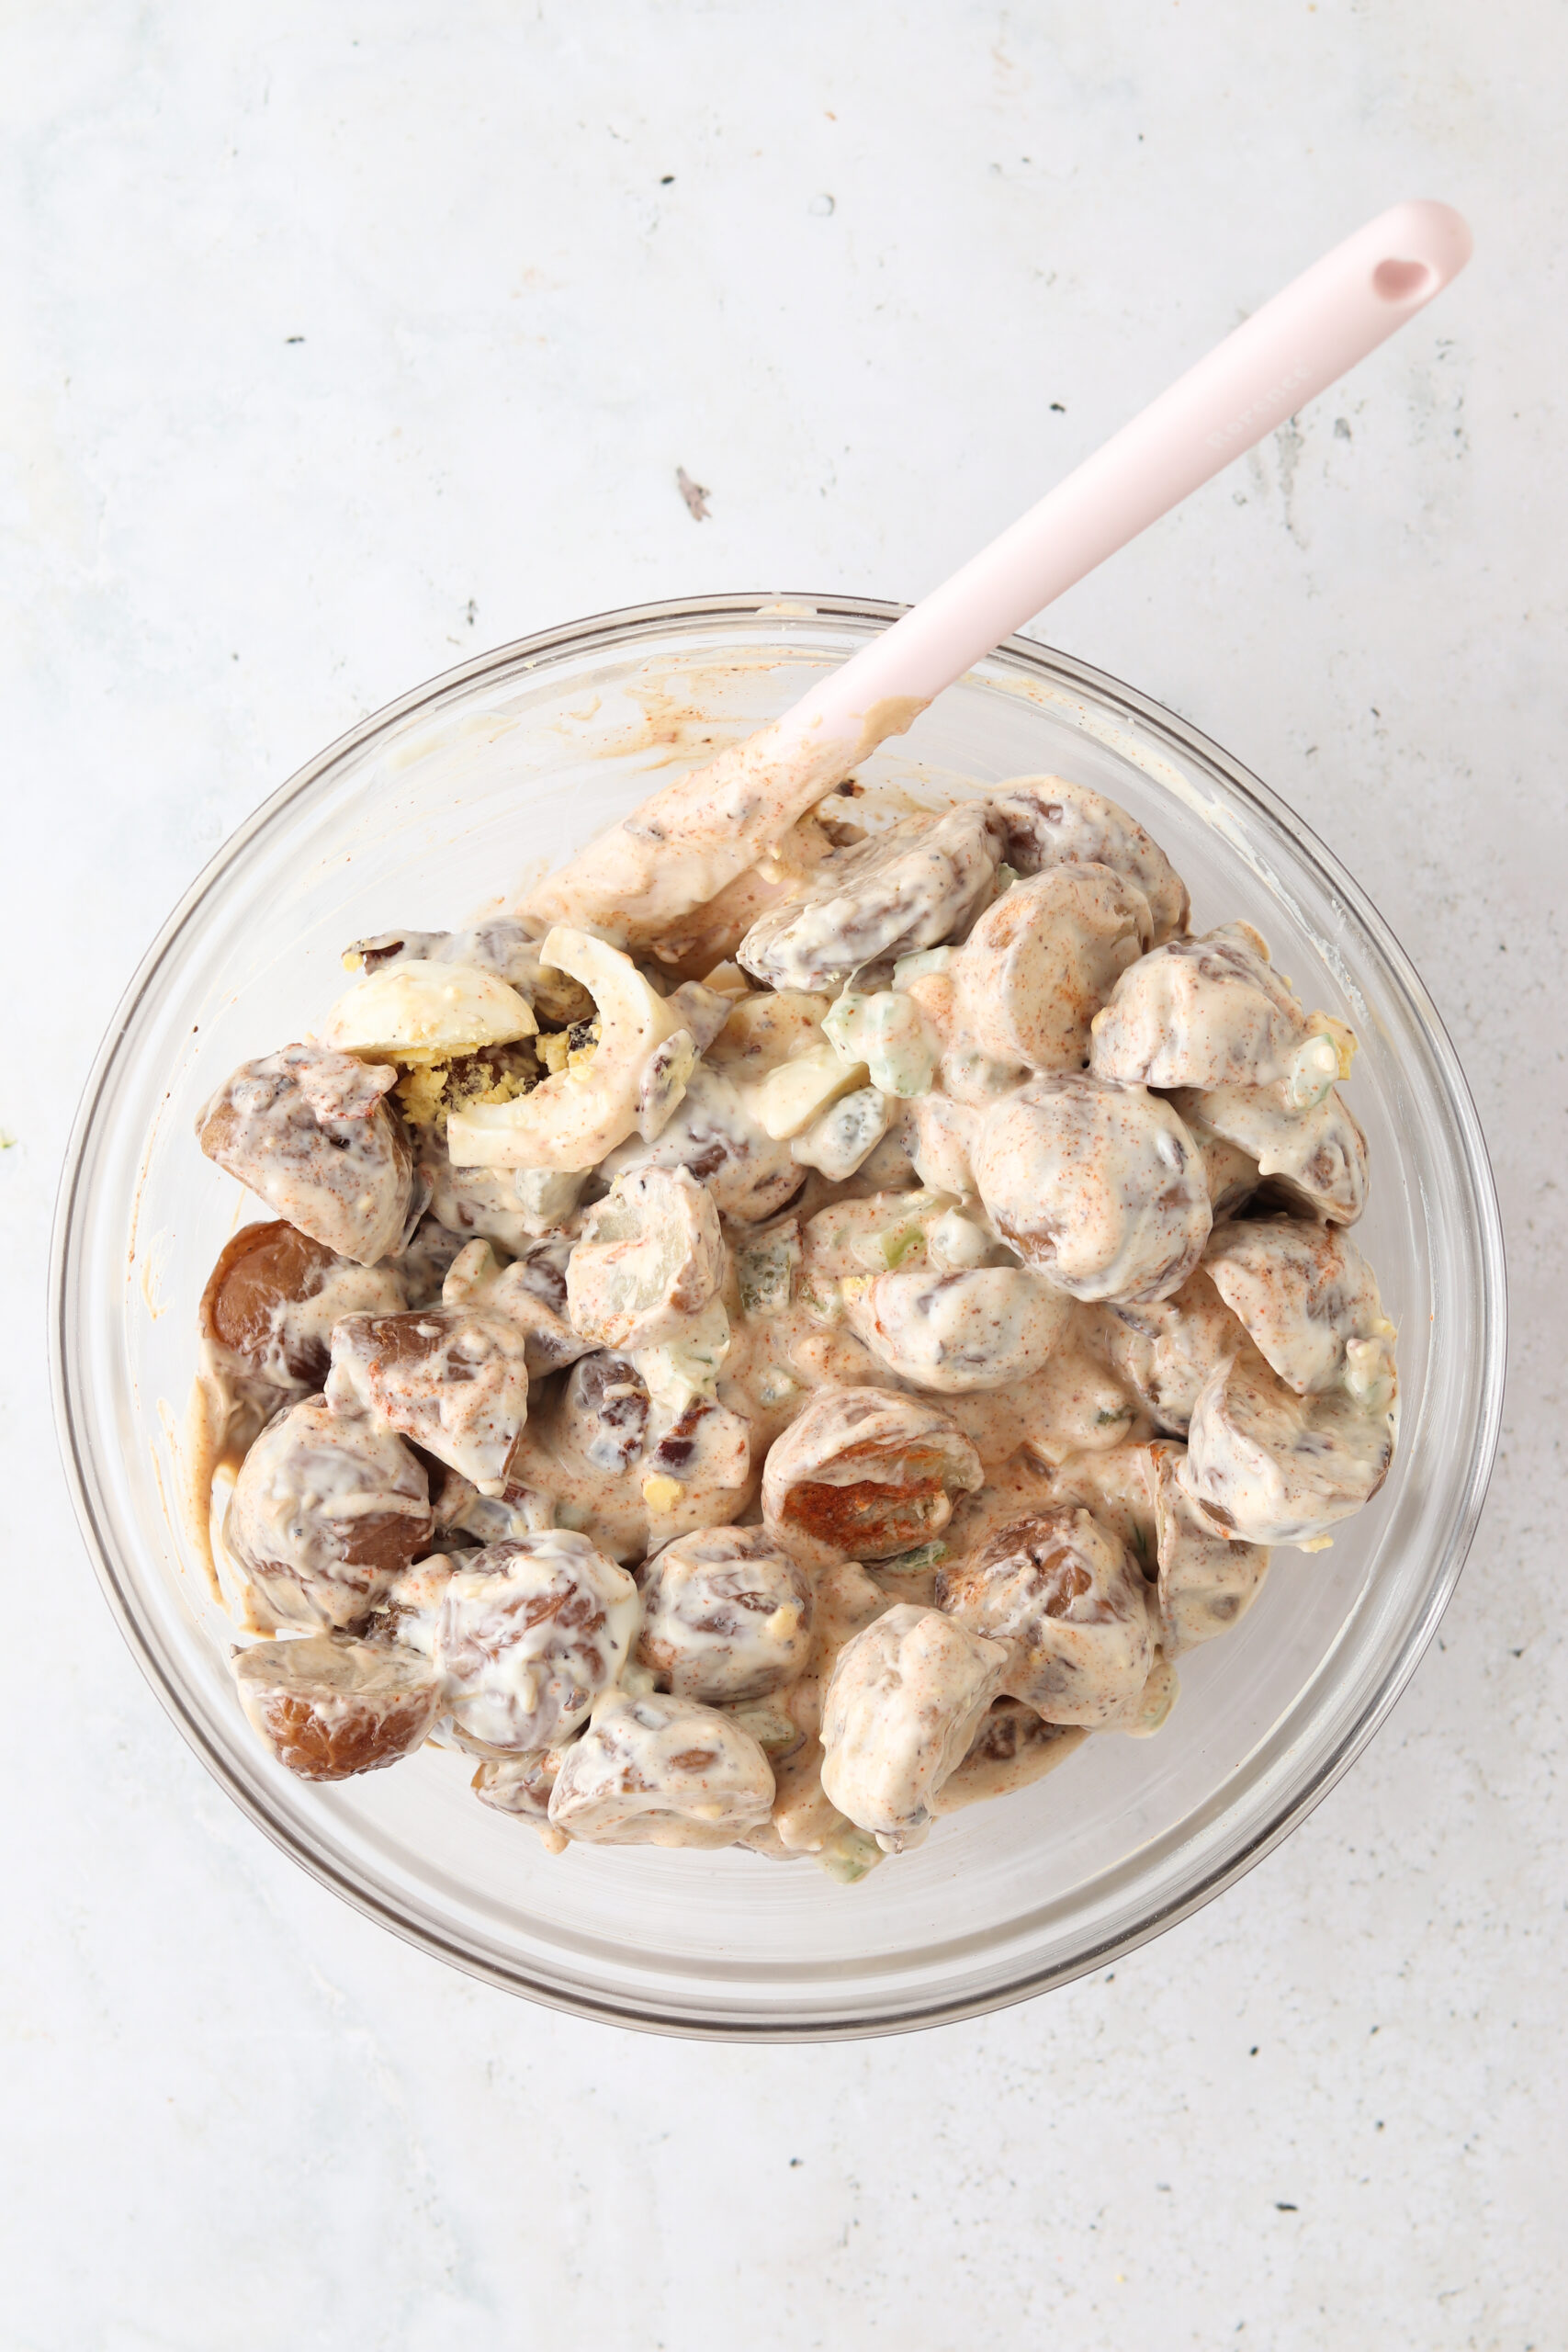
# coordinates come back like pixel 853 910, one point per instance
pixel 584 1447
pixel 1305 1294
pixel 327 1511
pixel 1118 1489
pixel 726 1615
pixel 649 1258
pixel 851 1246
pixel 1065 1598
pixel 1316 1156
pixel 421 1267
pixel 272 1299
pixel 897 892
pixel 520 1786
pixel 658 1770
pixel 1042 961
pixel 328 1708
pixel 1050 822
pixel 1016 1488
pixel 310 1132
pixel 455 1379
pixel 1166 1350
pixel 486 1203
pixel 864 1473
pixel 530 1291
pixel 905 1701
pixel 1270 1466
pixel 804 1819
pixel 1230 1174
pixel 1211 1011
pixel 1207 1583
pixel 747 1173
pixel 1117 1486
pixel 955 1329
pixel 1097 1185
pixel 526 1636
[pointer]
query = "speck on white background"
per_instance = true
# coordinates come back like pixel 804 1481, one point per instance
pixel 340 342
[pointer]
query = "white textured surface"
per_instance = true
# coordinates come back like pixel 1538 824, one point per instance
pixel 1328 2110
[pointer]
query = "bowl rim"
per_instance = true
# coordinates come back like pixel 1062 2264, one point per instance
pixel 620 626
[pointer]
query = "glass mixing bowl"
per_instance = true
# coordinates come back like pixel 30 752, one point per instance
pixel 441 806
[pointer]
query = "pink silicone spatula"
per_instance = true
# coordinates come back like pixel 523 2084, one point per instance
pixel 694 837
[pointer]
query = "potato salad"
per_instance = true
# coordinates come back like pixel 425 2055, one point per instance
pixel 774 1355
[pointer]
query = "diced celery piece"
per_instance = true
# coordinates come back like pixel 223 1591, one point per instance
pixel 908 1564
pixel 849 1854
pixel 765 1268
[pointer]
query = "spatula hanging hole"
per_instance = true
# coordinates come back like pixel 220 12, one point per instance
pixel 1401 281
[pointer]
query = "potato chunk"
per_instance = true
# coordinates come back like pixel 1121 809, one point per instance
pixel 905 1702
pixel 903 889
pixel 272 1299
pixel 864 1472
pixel 326 1510
pixel 329 1708
pixel 1208 1012
pixel 527 1634
pixel 726 1615
pixel 1050 822
pixel 1042 961
pixel 1272 1467
pixel 958 1328
pixel 1207 1583
pixel 1099 1186
pixel 658 1770
pixel 308 1130
pixel 520 1786
pixel 649 1258
pixel 1167 1349
pixel 1305 1294
pixel 453 1378
pixel 1314 1156
pixel 1064 1596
